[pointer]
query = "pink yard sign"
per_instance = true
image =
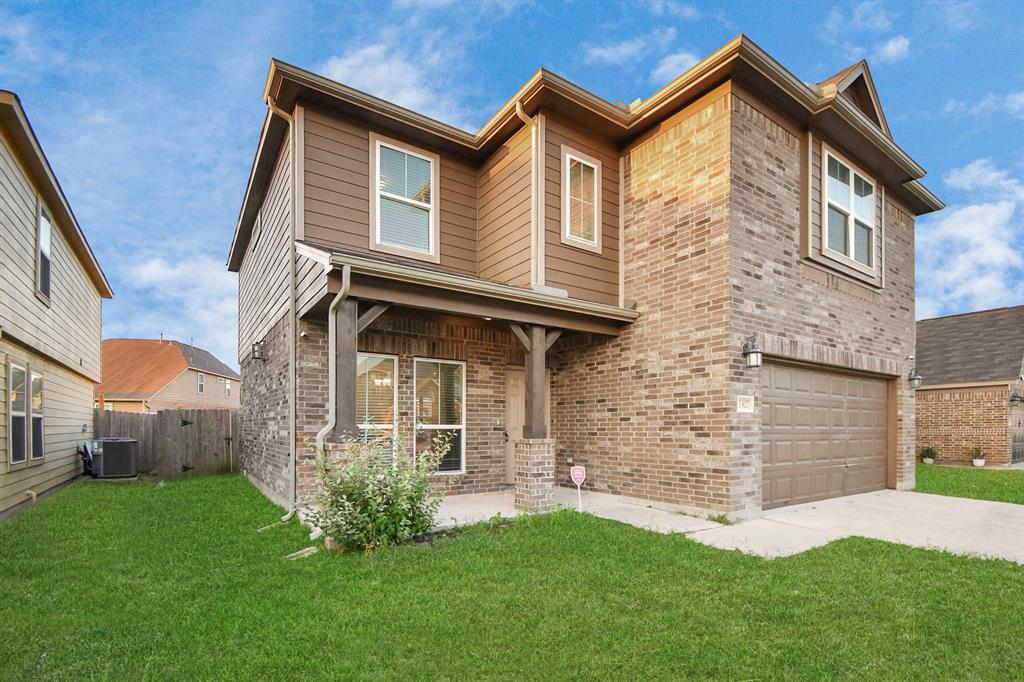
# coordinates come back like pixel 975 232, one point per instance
pixel 578 475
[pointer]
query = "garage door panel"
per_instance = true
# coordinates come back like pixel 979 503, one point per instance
pixel 824 434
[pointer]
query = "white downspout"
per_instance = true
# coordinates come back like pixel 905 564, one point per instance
pixel 332 368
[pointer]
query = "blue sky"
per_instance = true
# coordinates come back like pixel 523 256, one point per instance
pixel 150 113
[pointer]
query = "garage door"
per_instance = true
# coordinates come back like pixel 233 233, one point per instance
pixel 824 434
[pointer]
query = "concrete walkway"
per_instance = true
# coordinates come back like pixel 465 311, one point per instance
pixel 954 524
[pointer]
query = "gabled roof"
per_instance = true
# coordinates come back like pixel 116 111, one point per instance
pixel 137 369
pixel 19 131
pixel 987 345
pixel 740 60
pixel 855 83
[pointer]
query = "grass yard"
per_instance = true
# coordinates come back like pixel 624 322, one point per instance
pixel 143 581
pixel 1001 485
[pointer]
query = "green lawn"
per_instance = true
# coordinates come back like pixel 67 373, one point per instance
pixel 144 581
pixel 1001 485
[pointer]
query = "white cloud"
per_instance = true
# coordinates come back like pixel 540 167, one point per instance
pixel 955 16
pixel 630 50
pixel 673 65
pixel 1011 103
pixel 970 257
pixel 23 47
pixel 893 50
pixel 868 16
pixel 191 298
pixel 677 10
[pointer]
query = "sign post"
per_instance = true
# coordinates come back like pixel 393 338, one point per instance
pixel 578 475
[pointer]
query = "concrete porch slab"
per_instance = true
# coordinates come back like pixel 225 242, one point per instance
pixel 463 510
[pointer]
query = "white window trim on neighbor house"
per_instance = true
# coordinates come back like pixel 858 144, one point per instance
pixel 44 250
pixel 227 388
pixel 200 383
pixel 433 220
pixel 568 156
pixel 851 213
pixel 461 428
pixel 393 426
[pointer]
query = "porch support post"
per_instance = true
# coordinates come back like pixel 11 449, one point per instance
pixel 345 349
pixel 536 425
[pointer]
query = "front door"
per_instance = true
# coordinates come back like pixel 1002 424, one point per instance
pixel 515 415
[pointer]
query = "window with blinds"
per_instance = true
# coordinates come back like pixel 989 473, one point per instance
pixel 405 199
pixel 375 396
pixel 581 200
pixel 441 409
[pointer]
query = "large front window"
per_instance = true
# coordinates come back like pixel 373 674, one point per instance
pixel 405 200
pixel 849 214
pixel 440 388
pixel 376 384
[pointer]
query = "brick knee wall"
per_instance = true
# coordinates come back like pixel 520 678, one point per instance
pixel 264 452
pixel 955 421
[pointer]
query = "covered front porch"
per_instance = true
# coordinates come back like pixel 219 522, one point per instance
pixel 454 354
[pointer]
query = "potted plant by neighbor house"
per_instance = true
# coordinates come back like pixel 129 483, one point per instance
pixel 977 457
pixel 928 455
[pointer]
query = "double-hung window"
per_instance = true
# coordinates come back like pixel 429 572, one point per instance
pixel 581 200
pixel 227 388
pixel 201 383
pixel 376 403
pixel 404 201
pixel 440 389
pixel 849 214
pixel 37 416
pixel 17 408
pixel 44 245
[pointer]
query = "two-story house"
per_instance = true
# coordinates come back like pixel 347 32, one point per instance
pixel 51 288
pixel 582 282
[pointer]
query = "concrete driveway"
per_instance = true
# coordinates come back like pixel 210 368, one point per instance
pixel 953 524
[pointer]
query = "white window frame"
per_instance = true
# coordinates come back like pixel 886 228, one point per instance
pixel 851 214
pixel 201 383
pixel 11 414
pixel 32 376
pixel 441 427
pixel 227 388
pixel 41 213
pixel 367 426
pixel 568 155
pixel 433 253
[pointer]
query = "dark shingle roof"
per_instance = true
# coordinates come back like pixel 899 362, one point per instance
pixel 203 361
pixel 987 345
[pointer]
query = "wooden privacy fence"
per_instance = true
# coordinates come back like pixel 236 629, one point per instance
pixel 177 442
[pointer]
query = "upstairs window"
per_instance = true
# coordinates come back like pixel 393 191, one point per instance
pixel 17 408
pixel 44 243
pixel 405 200
pixel 849 214
pixel 440 389
pixel 201 385
pixel 581 200
pixel 227 388
pixel 376 402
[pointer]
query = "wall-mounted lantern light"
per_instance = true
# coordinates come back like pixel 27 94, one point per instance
pixel 258 352
pixel 1015 400
pixel 915 379
pixel 752 353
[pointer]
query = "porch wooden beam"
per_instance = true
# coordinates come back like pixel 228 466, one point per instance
pixel 517 329
pixel 346 331
pixel 551 337
pixel 536 425
pixel 368 318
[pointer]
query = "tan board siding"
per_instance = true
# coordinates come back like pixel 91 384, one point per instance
pixel 337 195
pixel 67 408
pixel 584 274
pixel 504 191
pixel 68 329
pixel 263 277
pixel 183 392
pixel 816 226
pixel 310 283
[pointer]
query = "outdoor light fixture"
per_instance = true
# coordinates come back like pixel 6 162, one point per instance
pixel 1015 400
pixel 257 351
pixel 915 379
pixel 752 353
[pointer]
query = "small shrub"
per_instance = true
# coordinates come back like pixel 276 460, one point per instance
pixel 372 499
pixel 927 453
pixel 976 453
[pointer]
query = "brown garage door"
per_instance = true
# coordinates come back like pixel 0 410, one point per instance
pixel 824 434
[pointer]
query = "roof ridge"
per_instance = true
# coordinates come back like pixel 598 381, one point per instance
pixel 971 312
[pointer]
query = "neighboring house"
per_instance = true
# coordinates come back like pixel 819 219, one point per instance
pixel 973 392
pixel 146 375
pixel 575 283
pixel 51 288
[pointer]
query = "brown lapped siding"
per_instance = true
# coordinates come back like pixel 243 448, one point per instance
pixel 584 274
pixel 505 193
pixel 337 195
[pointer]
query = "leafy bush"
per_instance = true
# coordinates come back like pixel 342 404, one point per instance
pixel 976 453
pixel 372 498
pixel 927 453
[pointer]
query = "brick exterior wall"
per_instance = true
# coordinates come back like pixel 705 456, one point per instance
pixel 955 421
pixel 264 453
pixel 486 348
